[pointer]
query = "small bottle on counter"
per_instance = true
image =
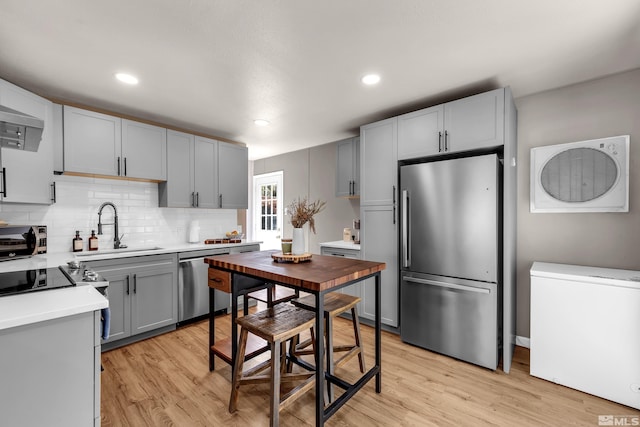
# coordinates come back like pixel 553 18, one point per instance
pixel 93 241
pixel 77 242
pixel 346 235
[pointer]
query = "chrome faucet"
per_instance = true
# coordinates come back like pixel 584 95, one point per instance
pixel 116 239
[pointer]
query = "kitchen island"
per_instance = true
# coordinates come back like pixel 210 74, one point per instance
pixel 50 357
pixel 320 275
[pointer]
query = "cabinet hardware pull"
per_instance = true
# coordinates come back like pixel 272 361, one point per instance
pixel 197 199
pixel 446 140
pixel 351 188
pixel 118 166
pixel 127 285
pixel 220 197
pixel 4 182
pixel 193 199
pixel 439 142
pixel 53 190
pixel 125 166
pixel 394 204
pixel 135 283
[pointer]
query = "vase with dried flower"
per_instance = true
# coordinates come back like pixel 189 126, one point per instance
pixel 301 212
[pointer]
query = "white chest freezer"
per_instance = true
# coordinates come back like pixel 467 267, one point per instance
pixel 585 329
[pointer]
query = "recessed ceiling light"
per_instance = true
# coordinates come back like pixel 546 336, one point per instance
pixel 261 122
pixel 127 78
pixel 371 79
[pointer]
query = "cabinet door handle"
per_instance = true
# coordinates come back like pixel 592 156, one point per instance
pixel 135 283
pixel 4 182
pixel 118 166
pixel 197 199
pixel 125 166
pixel 446 140
pixel 53 192
pixel 127 285
pixel 394 204
pixel 220 197
pixel 439 142
pixel 193 199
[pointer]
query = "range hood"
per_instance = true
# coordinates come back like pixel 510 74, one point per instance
pixel 19 131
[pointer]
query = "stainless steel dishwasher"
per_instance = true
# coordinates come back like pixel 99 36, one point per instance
pixel 193 289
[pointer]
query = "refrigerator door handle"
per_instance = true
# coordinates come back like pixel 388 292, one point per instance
pixel 406 260
pixel 446 285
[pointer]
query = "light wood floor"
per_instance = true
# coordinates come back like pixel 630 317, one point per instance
pixel 165 381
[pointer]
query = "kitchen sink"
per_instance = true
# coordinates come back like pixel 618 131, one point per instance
pixel 120 251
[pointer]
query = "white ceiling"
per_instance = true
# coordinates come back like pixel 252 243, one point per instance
pixel 214 66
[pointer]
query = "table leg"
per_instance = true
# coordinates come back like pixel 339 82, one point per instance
pixel 319 359
pixel 378 335
pixel 234 327
pixel 212 327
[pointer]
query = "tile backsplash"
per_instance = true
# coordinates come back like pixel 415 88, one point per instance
pixel 139 218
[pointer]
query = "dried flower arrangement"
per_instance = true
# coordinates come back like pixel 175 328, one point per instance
pixel 302 211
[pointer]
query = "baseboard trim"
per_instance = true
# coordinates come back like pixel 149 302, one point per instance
pixel 523 341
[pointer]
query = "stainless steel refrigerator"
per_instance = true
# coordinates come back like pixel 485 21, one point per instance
pixel 450 294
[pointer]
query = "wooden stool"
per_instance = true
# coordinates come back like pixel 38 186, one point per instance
pixel 276 325
pixel 335 303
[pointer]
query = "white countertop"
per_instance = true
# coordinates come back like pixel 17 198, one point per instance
pixel 51 260
pixel 341 244
pixel 40 306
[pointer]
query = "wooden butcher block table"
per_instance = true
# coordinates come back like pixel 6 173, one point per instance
pixel 242 273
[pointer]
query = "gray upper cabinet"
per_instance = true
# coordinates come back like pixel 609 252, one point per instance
pixel 144 150
pixel 27 176
pixel 233 176
pixel 96 143
pixel 465 124
pixel 348 168
pixel 92 142
pixel 475 122
pixel 420 133
pixel 205 173
pixel 178 190
pixel 379 163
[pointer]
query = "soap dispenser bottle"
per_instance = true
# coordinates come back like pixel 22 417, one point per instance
pixel 93 241
pixel 77 242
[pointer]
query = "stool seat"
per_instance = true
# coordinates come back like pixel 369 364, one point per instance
pixel 334 303
pixel 276 325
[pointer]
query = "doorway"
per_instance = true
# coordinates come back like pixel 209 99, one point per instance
pixel 268 209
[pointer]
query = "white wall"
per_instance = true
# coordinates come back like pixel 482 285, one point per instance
pixel 600 108
pixel 140 219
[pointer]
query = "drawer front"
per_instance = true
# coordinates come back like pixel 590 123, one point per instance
pixel 220 280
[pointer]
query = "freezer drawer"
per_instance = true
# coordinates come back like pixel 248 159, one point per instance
pixel 455 317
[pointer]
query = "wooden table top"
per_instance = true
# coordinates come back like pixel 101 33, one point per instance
pixel 322 272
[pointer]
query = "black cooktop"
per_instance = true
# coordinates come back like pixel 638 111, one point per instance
pixel 18 282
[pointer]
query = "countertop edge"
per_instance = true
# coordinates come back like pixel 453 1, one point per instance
pixel 41 306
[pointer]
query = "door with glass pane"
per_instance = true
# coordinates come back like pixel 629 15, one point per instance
pixel 268 209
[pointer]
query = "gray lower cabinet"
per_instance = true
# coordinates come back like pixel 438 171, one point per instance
pixel 379 243
pixel 356 288
pixel 143 293
pixel 50 372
